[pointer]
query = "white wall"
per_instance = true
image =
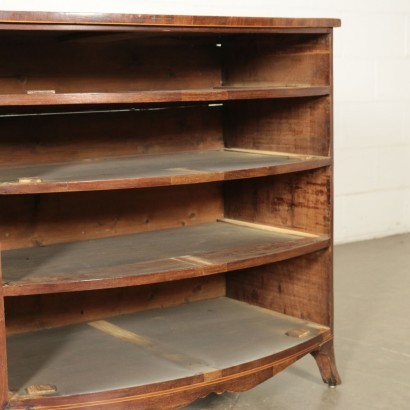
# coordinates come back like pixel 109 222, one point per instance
pixel 372 96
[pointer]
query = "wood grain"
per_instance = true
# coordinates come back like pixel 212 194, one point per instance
pixel 115 66
pixel 161 20
pixel 138 97
pixel 268 228
pixel 199 330
pixel 151 257
pixel 40 220
pixel 292 125
pixel 276 60
pixel 41 139
pixel 30 313
pixel 325 359
pixel 298 287
pixel 300 201
pixel 149 171
pixel 157 348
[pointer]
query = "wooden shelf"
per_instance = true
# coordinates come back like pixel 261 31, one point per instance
pixel 163 96
pixel 152 170
pixel 189 345
pixel 150 257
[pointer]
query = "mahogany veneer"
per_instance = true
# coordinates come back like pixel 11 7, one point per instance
pixel 166 206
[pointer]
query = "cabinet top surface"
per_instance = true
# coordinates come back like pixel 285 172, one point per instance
pixel 150 20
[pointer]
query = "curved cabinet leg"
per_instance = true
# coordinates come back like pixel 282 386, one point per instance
pixel 325 359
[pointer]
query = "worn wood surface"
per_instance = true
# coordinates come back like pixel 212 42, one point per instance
pixel 151 257
pixel 138 97
pixel 298 201
pixel 40 139
pixel 189 343
pixel 269 228
pixel 291 125
pixel 40 220
pixel 298 287
pixel 161 20
pixel 149 170
pixel 114 66
pixel 276 60
pixel 325 359
pixel 29 313
pixel 40 389
pixel 330 282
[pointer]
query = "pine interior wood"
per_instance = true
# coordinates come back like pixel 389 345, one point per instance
pixel 205 339
pixel 166 206
pixel 150 170
pixel 148 257
pixel 40 220
pixel 52 310
pixel 32 139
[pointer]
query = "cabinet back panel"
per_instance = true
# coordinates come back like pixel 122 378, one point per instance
pixel 299 287
pixel 35 220
pixel 291 125
pixel 96 63
pixel 282 59
pixel 69 137
pixel 28 313
pixel 300 201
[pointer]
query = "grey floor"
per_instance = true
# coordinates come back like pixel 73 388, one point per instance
pixel 372 309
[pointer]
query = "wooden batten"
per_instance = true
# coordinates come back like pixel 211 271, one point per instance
pixel 268 228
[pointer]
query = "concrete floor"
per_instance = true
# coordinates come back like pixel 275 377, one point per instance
pixel 372 340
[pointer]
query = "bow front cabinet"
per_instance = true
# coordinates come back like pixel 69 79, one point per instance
pixel 166 206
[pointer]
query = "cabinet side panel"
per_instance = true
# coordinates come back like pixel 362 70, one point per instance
pixel 35 220
pixel 282 59
pixel 298 287
pixel 291 125
pixel 59 137
pixel 28 313
pixel 300 201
